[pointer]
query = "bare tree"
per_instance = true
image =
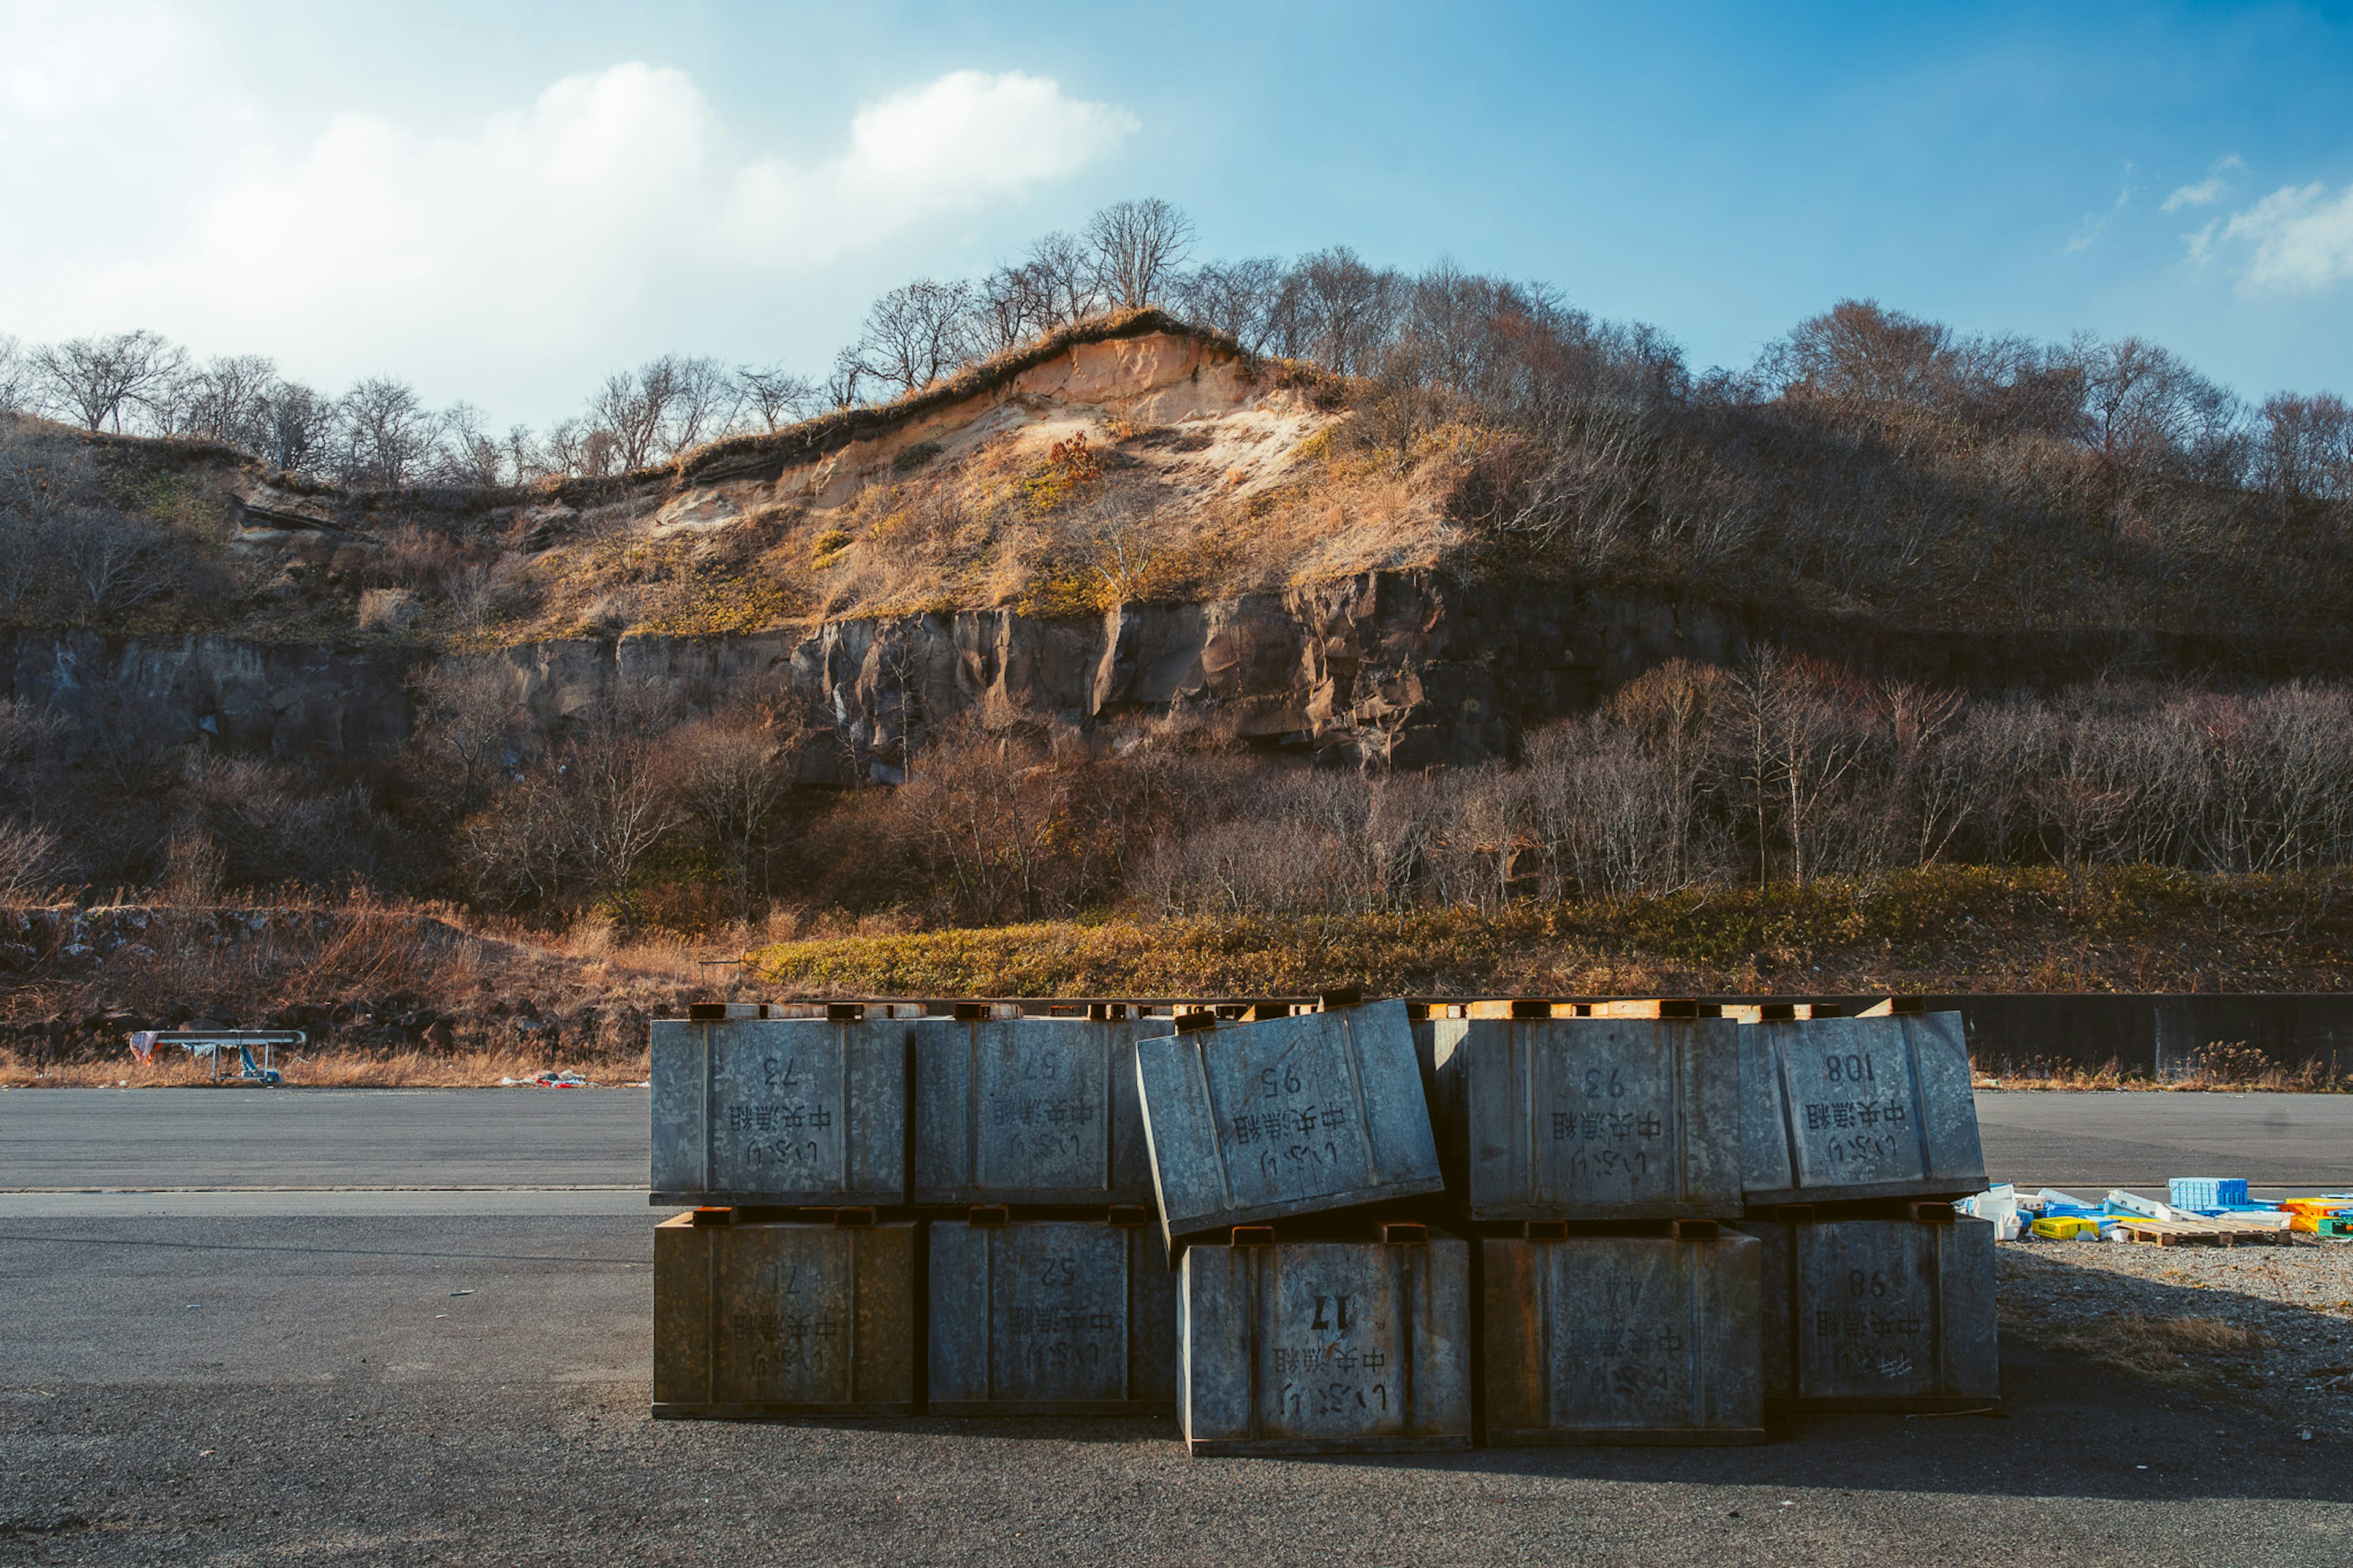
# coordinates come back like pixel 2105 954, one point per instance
pixel 917 334
pixel 1801 744
pixel 31 858
pixel 777 396
pixel 2306 448
pixel 387 434
pixel 583 448
pixel 843 382
pixel 703 404
pixel 1236 297
pixel 35 488
pixel 1011 306
pixel 2145 405
pixel 468 716
pixel 1347 309
pixel 112 562
pixel 584 816
pixel 664 407
pixel 1137 247
pixel 630 410
pixel 295 427
pixel 95 379
pixel 735 776
pixel 465 454
pixel 1063 270
pixel 18 381
pixel 228 400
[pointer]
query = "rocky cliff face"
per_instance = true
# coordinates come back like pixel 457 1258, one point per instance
pixel 1311 596
pixel 1411 668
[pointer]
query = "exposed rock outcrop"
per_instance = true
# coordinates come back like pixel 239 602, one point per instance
pixel 1411 669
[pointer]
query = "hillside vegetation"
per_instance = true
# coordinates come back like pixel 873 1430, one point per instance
pixel 1104 425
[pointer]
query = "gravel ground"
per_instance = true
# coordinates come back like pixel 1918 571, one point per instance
pixel 431 1388
pixel 2146 1309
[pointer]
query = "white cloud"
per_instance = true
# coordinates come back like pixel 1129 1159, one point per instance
pixel 2200 244
pixel 2210 189
pixel 611 202
pixel 958 142
pixel 57 60
pixel 2094 224
pixel 2299 238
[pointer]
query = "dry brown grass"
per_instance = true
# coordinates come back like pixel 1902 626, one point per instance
pixel 2155 1348
pixel 1062 513
pixel 2225 1068
pixel 173 1069
pixel 2206 1336
pixel 473 973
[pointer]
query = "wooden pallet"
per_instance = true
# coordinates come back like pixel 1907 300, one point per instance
pixel 2196 1232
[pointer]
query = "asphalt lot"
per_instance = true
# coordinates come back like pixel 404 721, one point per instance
pixel 421 1376
pixel 294 1137
pixel 69 1139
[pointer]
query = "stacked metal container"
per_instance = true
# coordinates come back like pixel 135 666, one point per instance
pixel 792 1288
pixel 1857 1134
pixel 1258 1222
pixel 1595 1157
pixel 900 1206
pixel 1880 1313
pixel 1314 1316
pixel 1047 1293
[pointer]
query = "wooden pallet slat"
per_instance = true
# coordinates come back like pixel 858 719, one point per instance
pixel 2185 1232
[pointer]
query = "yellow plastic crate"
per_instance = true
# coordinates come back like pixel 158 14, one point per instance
pixel 2068 1228
pixel 2304 1208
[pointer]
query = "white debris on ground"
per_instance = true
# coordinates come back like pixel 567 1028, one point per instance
pixel 547 1080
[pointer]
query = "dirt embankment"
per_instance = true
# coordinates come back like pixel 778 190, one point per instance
pixel 384 995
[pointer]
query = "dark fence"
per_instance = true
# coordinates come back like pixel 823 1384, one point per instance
pixel 2148 1033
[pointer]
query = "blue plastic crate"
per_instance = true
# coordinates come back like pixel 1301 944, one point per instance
pixel 2205 1192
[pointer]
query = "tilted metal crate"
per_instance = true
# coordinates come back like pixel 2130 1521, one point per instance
pixel 1588 1118
pixel 784 1320
pixel 1051 1318
pixel 1614 1339
pixel 1290 1117
pixel 1029 1110
pixel 780 1111
pixel 1841 1108
pixel 1326 1347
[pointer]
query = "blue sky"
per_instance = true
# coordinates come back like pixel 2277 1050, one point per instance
pixel 501 201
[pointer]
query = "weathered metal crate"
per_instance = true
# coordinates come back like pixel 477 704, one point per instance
pixel 1880 1314
pixel 1634 1340
pixel 1289 1117
pixel 780 1111
pixel 1029 1110
pixel 784 1320
pixel 1588 1118
pixel 1051 1318
pixel 1326 1347
pixel 1839 1108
